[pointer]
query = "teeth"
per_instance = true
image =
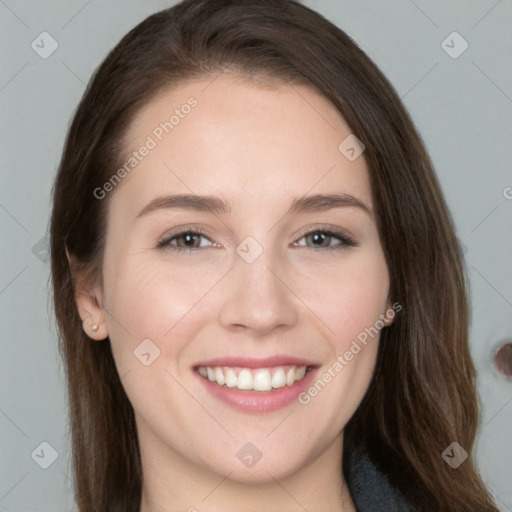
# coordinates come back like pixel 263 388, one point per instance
pixel 260 379
pixel 279 379
pixel 299 374
pixel 231 379
pixel 219 376
pixel 245 380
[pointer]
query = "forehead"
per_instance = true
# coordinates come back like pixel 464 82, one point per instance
pixel 236 139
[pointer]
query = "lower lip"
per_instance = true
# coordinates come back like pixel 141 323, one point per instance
pixel 258 401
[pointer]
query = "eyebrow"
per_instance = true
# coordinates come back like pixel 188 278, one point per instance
pixel 304 204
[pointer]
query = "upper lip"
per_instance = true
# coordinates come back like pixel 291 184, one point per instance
pixel 257 362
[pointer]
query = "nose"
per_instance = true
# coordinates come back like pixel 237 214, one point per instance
pixel 258 297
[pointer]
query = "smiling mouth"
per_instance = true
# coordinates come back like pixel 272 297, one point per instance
pixel 254 379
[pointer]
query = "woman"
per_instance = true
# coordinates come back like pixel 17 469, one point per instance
pixel 260 296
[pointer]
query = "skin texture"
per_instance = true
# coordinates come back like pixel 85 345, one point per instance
pixel 257 147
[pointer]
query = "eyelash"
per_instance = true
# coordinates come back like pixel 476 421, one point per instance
pixel 342 237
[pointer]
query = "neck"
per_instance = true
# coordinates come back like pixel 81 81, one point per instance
pixel 173 483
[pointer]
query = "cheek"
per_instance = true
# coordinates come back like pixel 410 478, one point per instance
pixel 155 301
pixel 153 310
pixel 348 299
pixel 349 304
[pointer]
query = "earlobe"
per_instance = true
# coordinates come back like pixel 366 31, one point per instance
pixel 88 303
pixel 95 331
pixel 93 318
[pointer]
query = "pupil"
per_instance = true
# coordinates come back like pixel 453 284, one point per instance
pixel 188 240
pixel 319 238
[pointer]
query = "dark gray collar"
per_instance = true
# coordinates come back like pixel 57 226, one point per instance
pixel 369 487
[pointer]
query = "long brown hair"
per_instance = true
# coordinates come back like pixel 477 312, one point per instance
pixel 422 397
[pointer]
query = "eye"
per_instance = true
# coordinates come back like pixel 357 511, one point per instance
pixel 323 239
pixel 188 240
pixel 184 240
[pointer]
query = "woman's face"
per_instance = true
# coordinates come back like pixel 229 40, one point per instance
pixel 287 272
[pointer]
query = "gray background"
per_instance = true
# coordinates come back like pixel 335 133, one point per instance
pixel 462 107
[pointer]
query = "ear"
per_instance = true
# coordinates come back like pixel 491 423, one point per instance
pixel 392 308
pixel 88 299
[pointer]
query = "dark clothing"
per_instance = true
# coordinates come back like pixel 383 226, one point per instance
pixel 370 488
